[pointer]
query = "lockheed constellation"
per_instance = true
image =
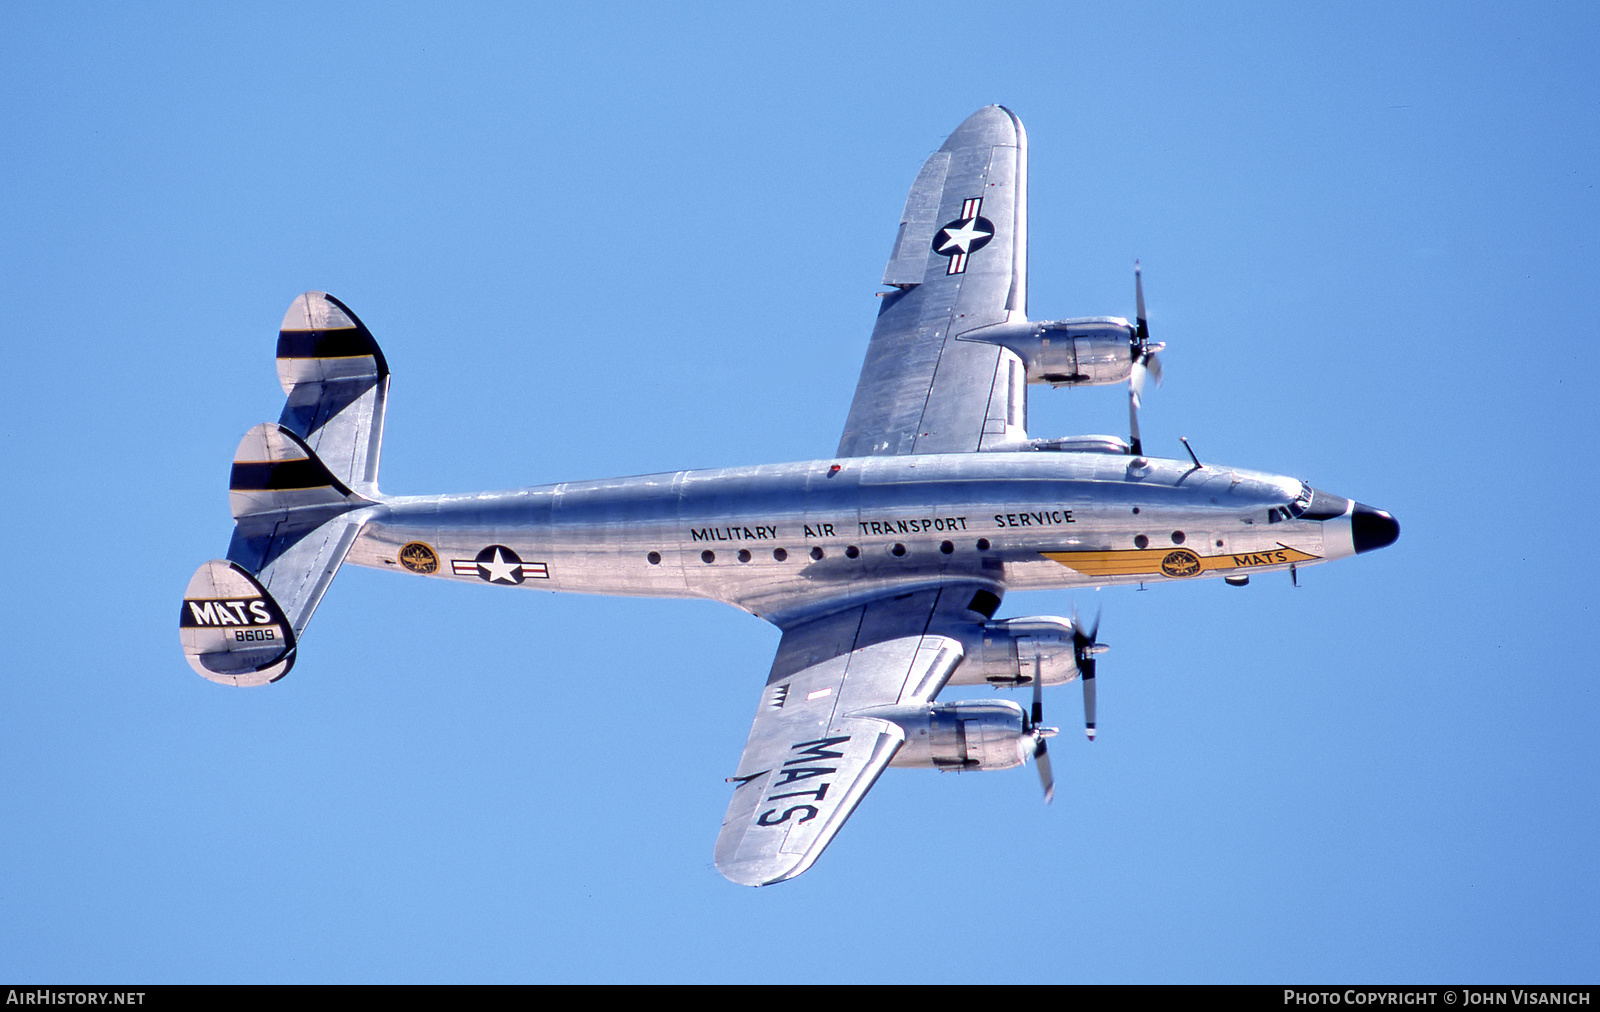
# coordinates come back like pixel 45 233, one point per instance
pixel 883 565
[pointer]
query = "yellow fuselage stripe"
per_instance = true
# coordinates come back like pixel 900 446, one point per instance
pixel 1174 562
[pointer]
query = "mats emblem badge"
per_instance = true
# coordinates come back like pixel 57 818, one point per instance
pixel 419 558
pixel 1181 562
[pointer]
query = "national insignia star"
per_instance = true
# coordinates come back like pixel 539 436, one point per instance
pixel 965 236
pixel 498 570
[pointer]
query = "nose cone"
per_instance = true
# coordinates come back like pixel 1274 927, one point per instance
pixel 1371 528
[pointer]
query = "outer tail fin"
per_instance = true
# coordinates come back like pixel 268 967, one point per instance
pixel 338 385
pixel 232 630
pixel 295 490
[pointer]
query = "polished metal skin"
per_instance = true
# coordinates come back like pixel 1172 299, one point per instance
pixel 883 565
pixel 785 540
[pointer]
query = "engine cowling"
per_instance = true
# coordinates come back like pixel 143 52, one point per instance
pixel 985 735
pixel 1091 351
pixel 1015 651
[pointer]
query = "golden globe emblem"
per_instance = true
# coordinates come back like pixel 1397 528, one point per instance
pixel 1181 562
pixel 419 558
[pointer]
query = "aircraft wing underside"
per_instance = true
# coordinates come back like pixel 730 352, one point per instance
pixel 816 747
pixel 960 262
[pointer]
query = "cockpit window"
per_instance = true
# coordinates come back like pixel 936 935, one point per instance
pixel 1295 509
pixel 1310 504
pixel 1301 503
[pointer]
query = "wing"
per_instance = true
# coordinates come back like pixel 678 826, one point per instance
pixel 960 262
pixel 811 755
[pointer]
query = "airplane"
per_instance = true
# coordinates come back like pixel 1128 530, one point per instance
pixel 884 565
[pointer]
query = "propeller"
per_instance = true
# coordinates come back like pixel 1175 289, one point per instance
pixel 1034 726
pixel 1146 361
pixel 1085 645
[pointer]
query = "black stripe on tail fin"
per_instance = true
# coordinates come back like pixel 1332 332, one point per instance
pixel 275 472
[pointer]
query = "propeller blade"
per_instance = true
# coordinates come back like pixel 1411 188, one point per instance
pixel 1135 444
pixel 1037 717
pixel 1086 676
pixel 1142 325
pixel 1085 645
pixel 1144 361
pixel 1047 777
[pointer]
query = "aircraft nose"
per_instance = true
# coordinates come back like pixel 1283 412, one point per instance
pixel 1371 529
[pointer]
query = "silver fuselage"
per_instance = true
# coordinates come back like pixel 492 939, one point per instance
pixel 781 539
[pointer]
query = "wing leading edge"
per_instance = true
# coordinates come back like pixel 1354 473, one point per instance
pixel 960 262
pixel 813 753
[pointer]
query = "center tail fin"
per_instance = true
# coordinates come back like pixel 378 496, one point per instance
pixel 298 490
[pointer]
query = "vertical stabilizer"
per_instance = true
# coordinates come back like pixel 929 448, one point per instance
pixel 233 632
pixel 338 385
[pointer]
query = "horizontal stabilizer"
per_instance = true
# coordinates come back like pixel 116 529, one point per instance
pixel 243 616
pixel 295 562
pixel 338 385
pixel 275 472
pixel 296 522
pixel 233 632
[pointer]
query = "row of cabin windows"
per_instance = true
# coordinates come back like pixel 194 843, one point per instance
pixel 898 550
pixel 851 552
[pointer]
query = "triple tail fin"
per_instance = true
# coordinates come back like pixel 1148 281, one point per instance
pixel 298 491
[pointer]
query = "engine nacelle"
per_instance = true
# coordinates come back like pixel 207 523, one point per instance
pixel 988 735
pixel 1090 351
pixel 1015 651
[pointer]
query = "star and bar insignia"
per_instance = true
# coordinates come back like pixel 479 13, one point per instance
pixel 964 236
pixel 499 564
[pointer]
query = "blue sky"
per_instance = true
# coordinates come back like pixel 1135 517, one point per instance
pixel 623 240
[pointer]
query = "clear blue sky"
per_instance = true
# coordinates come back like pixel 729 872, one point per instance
pixel 605 240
